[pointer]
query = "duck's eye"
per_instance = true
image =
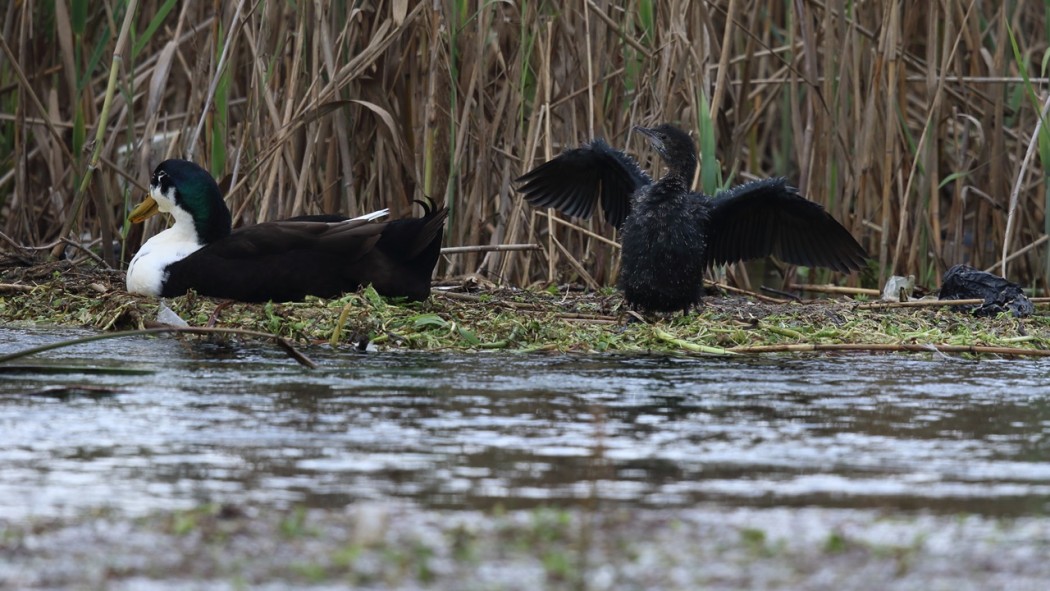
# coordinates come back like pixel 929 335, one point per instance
pixel 159 179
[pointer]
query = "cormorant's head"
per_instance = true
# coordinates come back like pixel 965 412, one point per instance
pixel 675 146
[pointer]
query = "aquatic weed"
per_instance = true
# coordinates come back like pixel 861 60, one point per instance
pixel 525 321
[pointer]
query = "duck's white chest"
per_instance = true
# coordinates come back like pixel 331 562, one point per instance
pixel 146 273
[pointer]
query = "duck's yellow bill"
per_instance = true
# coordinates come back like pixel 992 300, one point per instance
pixel 143 211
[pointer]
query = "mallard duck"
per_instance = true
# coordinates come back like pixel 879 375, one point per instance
pixel 280 261
pixel 670 234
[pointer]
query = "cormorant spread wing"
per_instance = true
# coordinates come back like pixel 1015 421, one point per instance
pixel 766 217
pixel 575 181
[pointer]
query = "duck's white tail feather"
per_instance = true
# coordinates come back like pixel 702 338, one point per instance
pixel 375 215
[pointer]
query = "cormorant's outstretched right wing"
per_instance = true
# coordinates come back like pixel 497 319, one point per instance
pixel 767 217
pixel 574 181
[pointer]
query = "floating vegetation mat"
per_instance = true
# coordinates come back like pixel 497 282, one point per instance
pixel 467 317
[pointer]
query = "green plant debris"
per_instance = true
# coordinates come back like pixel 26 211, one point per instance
pixel 455 318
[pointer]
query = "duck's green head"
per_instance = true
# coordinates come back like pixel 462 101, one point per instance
pixel 182 186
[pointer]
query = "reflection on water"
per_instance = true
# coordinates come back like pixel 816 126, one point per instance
pixel 241 424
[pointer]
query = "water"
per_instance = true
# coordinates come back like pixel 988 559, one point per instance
pixel 205 423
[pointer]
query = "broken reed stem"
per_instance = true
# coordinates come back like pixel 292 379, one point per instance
pixel 828 288
pixel 696 348
pixel 890 348
pixel 585 231
pixel 6 287
pixel 489 248
pixel 575 264
pixel 1035 244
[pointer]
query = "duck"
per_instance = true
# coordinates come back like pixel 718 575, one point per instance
pixel 670 235
pixel 286 260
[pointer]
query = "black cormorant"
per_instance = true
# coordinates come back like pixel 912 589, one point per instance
pixel 670 234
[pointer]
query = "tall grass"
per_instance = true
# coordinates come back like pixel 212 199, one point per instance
pixel 910 122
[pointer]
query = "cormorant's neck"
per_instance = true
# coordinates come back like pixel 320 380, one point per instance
pixel 670 187
pixel 683 168
pixel 678 178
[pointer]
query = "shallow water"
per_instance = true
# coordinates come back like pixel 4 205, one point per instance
pixel 243 424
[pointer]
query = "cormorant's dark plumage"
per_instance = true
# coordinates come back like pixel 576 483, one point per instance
pixel 283 260
pixel 670 234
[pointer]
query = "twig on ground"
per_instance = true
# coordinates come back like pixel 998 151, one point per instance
pixel 280 341
pixel 489 248
pixel 828 288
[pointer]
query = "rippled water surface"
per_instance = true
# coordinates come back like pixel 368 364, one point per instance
pixel 215 423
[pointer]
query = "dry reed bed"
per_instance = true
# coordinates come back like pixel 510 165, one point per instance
pixel 910 121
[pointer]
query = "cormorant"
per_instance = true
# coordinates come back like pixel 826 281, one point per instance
pixel 321 255
pixel 670 234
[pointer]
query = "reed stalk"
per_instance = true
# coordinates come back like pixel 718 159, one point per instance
pixel 916 128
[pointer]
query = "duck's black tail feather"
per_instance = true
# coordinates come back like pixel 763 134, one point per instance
pixel 416 240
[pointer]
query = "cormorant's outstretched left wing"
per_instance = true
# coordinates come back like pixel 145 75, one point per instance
pixel 574 181
pixel 767 217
